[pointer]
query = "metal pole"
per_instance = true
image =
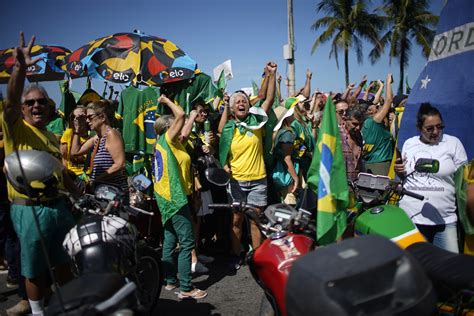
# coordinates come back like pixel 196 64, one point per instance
pixel 291 44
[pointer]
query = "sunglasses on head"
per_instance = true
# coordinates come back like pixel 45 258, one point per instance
pixel 41 101
pixel 430 129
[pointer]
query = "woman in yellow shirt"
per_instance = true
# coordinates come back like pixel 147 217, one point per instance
pixel 241 154
pixel 76 164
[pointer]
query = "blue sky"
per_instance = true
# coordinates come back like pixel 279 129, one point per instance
pixel 249 32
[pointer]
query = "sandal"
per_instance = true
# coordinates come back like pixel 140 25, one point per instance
pixel 193 294
pixel 170 287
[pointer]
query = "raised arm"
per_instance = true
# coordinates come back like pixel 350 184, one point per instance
pixel 188 126
pixel 378 94
pixel 278 87
pixel 367 91
pixel 175 129
pixel 224 118
pixel 360 87
pixel 306 91
pixel 380 115
pixel 267 104
pixel 22 58
pixel 347 93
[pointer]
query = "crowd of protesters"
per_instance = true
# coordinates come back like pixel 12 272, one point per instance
pixel 266 150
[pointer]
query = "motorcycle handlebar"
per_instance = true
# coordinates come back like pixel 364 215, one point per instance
pixel 413 195
pixel 220 205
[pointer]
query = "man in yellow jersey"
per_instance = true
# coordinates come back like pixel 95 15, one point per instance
pixel 241 154
pixel 25 117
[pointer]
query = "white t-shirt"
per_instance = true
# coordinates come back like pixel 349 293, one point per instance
pixel 439 205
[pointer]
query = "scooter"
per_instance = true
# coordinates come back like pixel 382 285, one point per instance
pixel 116 274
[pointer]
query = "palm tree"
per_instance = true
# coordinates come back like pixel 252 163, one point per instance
pixel 347 23
pixel 407 20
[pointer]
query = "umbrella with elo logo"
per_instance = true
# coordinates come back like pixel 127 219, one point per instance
pixel 131 58
pixel 48 68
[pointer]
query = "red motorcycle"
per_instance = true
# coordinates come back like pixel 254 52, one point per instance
pixel 289 235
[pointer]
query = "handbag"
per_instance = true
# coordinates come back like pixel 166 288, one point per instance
pixel 281 177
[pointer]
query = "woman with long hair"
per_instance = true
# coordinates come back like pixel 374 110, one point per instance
pixel 108 153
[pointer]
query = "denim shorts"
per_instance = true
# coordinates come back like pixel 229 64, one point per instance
pixel 252 192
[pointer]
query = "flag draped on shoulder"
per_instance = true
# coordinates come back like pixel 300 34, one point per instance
pixel 256 119
pixel 327 177
pixel 169 192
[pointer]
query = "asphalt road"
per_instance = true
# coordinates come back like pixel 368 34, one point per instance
pixel 229 293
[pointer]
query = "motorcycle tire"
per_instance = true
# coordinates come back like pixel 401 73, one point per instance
pixel 266 309
pixel 149 279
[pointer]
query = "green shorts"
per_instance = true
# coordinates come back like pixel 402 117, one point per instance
pixel 55 220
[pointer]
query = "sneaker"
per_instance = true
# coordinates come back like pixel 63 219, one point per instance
pixel 199 268
pixel 20 309
pixel 235 262
pixel 195 294
pixel 12 283
pixel 205 259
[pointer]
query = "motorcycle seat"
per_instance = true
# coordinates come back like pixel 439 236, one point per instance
pixel 85 292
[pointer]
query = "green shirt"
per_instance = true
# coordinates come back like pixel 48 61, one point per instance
pixel 56 126
pixel 305 143
pixel 378 142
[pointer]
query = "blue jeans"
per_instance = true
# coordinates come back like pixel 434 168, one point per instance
pixel 442 236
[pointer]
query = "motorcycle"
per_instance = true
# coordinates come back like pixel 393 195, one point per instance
pixel 289 235
pixel 117 273
pixel 371 275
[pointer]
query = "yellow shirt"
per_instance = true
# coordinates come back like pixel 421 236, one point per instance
pixel 77 168
pixel 246 155
pixel 23 136
pixel 184 163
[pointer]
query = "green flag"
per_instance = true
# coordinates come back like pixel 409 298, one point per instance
pixel 68 100
pixel 254 88
pixel 138 110
pixel 327 177
pixel 186 92
pixel 169 192
pixel 221 84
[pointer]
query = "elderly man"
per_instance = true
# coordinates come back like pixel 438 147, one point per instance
pixel 24 121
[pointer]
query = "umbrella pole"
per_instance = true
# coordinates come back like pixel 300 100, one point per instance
pixel 104 93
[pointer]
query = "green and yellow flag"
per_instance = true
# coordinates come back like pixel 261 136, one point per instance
pixel 327 177
pixel 169 192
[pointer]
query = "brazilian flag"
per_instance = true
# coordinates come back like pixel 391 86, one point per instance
pixel 327 177
pixel 169 192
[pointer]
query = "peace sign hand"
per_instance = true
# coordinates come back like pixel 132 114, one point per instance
pixel 22 53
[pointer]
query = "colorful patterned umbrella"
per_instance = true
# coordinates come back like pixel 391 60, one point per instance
pixel 47 69
pixel 131 57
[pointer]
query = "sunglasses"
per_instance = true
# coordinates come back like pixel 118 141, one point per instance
pixel 41 101
pixel 342 112
pixel 90 117
pixel 430 129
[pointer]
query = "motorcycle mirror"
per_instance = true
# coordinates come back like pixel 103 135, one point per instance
pixel 427 165
pixel 140 182
pixel 217 176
